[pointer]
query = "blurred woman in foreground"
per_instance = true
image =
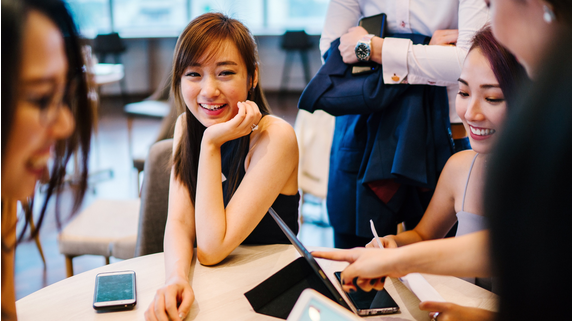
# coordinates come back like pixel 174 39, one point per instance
pixel 46 115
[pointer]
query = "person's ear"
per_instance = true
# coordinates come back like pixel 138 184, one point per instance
pixel 255 79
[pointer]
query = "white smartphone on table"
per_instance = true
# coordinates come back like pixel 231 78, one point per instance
pixel 115 291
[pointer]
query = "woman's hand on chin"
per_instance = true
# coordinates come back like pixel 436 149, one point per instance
pixel 240 125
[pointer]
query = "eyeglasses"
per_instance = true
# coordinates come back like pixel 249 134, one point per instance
pixel 49 106
pixel 50 103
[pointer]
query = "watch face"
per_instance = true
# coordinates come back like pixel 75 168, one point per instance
pixel 362 52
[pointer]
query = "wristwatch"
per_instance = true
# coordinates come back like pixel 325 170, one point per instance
pixel 363 48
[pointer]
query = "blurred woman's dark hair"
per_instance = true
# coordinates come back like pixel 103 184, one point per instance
pixel 207 34
pixel 527 197
pixel 562 10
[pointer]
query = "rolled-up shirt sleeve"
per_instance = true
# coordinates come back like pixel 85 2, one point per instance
pixel 434 65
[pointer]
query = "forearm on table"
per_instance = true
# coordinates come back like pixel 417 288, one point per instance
pixel 210 213
pixel 178 251
pixel 464 256
pixel 179 237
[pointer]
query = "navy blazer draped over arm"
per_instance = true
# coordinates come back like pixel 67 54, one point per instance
pixel 397 132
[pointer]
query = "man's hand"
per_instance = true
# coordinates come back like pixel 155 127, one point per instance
pixel 446 37
pixel 348 43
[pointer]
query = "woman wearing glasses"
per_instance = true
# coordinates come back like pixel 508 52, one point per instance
pixel 46 115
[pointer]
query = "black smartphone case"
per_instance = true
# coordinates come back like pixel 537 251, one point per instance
pixel 374 25
pixel 277 295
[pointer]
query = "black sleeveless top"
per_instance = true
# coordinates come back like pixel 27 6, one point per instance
pixel 267 231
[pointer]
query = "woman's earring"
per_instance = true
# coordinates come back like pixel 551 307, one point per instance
pixel 548 16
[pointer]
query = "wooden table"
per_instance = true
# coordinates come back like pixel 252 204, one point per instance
pixel 219 290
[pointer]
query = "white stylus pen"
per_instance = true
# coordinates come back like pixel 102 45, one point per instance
pixel 375 234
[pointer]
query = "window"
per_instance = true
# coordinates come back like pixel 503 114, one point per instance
pixel 306 15
pixel 92 16
pixel 249 12
pixel 150 18
pixel 167 18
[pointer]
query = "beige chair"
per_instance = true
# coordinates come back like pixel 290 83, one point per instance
pixel 315 133
pixel 95 229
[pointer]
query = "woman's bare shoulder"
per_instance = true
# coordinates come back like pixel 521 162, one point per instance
pixel 276 126
pixel 459 163
pixel 277 134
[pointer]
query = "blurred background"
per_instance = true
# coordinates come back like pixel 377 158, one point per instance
pixel 150 29
pixel 130 44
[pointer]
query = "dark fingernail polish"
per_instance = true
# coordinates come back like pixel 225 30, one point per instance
pixel 352 290
pixel 383 279
pixel 372 282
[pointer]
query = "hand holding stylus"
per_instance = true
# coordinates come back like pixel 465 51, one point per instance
pixel 375 234
pixel 386 242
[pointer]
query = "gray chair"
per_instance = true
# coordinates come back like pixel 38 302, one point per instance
pixel 154 199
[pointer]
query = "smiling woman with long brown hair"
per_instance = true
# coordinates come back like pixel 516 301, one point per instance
pixel 47 115
pixel 226 127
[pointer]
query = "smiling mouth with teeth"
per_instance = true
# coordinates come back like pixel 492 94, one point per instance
pixel 212 107
pixel 482 132
pixel 38 162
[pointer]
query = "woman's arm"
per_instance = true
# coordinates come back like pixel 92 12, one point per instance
pixel 464 256
pixel 180 228
pixel 174 300
pixel 271 166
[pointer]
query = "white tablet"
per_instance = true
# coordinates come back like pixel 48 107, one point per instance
pixel 313 306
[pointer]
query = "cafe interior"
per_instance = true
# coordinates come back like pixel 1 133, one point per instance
pixel 131 55
pixel 129 47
